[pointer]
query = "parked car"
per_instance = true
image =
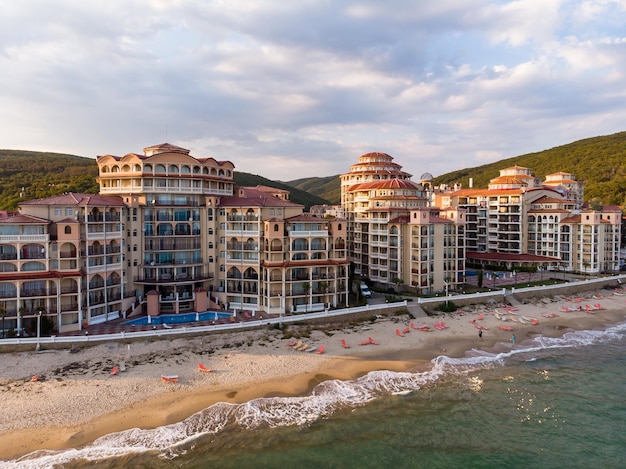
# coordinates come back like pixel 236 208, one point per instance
pixel 365 291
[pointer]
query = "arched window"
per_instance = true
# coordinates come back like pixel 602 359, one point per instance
pixel 33 266
pixel 105 169
pixel 68 229
pixel 115 169
pixel 137 168
pixel 275 226
pixel 125 168
pixel 7 267
pixel 173 169
pixel 147 168
pixel 7 290
pixel 160 169
pixel 339 226
pixel 185 169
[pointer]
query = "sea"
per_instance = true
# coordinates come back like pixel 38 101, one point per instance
pixel 543 403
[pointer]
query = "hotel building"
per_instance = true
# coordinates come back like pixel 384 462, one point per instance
pixel 169 233
pixel 521 221
pixel 394 238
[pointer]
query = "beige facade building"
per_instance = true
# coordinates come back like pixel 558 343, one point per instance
pixel 521 221
pixel 169 233
pixel 394 238
pixel 62 257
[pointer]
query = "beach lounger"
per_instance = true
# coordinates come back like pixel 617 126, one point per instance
pixel 365 342
pixel 169 378
pixel 372 341
pixel 303 348
pixel 320 350
pixel 406 330
pixel 413 325
pixel 344 344
pixel 115 370
pixel 398 333
pixel 201 367
pixel 506 328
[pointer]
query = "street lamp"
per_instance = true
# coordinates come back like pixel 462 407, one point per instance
pixel 38 331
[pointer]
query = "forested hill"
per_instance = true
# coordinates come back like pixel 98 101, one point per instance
pixel 328 188
pixel 600 162
pixel 28 175
pixel 296 195
pixel 38 174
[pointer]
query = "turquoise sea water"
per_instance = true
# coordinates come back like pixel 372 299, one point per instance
pixel 548 403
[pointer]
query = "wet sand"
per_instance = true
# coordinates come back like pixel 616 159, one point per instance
pixel 76 400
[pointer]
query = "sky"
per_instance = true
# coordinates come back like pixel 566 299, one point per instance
pixel 294 89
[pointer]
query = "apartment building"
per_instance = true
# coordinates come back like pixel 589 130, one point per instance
pixel 435 249
pixel 62 257
pixel 169 233
pixel 394 237
pixel 521 221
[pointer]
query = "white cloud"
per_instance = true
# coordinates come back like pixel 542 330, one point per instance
pixel 303 88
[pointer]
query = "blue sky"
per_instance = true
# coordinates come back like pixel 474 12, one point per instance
pixel 296 89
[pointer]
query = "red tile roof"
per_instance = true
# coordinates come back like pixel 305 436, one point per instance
pixel 24 219
pixel 72 198
pixel 496 256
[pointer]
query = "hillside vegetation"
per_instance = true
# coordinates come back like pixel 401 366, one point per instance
pixel 328 188
pixel 38 175
pixel 296 195
pixel 28 175
pixel 600 162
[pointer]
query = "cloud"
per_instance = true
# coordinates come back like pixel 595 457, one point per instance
pixel 303 88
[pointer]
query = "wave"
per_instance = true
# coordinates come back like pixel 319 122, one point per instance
pixel 325 399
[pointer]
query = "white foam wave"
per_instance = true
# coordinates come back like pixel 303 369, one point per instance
pixel 326 399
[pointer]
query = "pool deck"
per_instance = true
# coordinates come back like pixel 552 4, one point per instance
pixel 119 325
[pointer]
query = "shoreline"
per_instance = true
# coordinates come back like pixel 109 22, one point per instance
pixel 76 400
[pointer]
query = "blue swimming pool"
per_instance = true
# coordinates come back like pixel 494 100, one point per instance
pixel 179 318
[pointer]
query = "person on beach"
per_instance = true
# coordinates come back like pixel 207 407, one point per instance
pixel 513 339
pixel 480 334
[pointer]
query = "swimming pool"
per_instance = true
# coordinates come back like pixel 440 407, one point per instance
pixel 179 318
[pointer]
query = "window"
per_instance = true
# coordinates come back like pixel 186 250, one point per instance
pixel 275 226
pixel 68 211
pixel 58 211
pixel 68 230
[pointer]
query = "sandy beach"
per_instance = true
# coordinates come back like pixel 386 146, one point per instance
pixel 75 399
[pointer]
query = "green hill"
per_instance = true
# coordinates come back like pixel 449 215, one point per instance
pixel 328 188
pixel 28 175
pixel 600 162
pixel 36 175
pixel 296 194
